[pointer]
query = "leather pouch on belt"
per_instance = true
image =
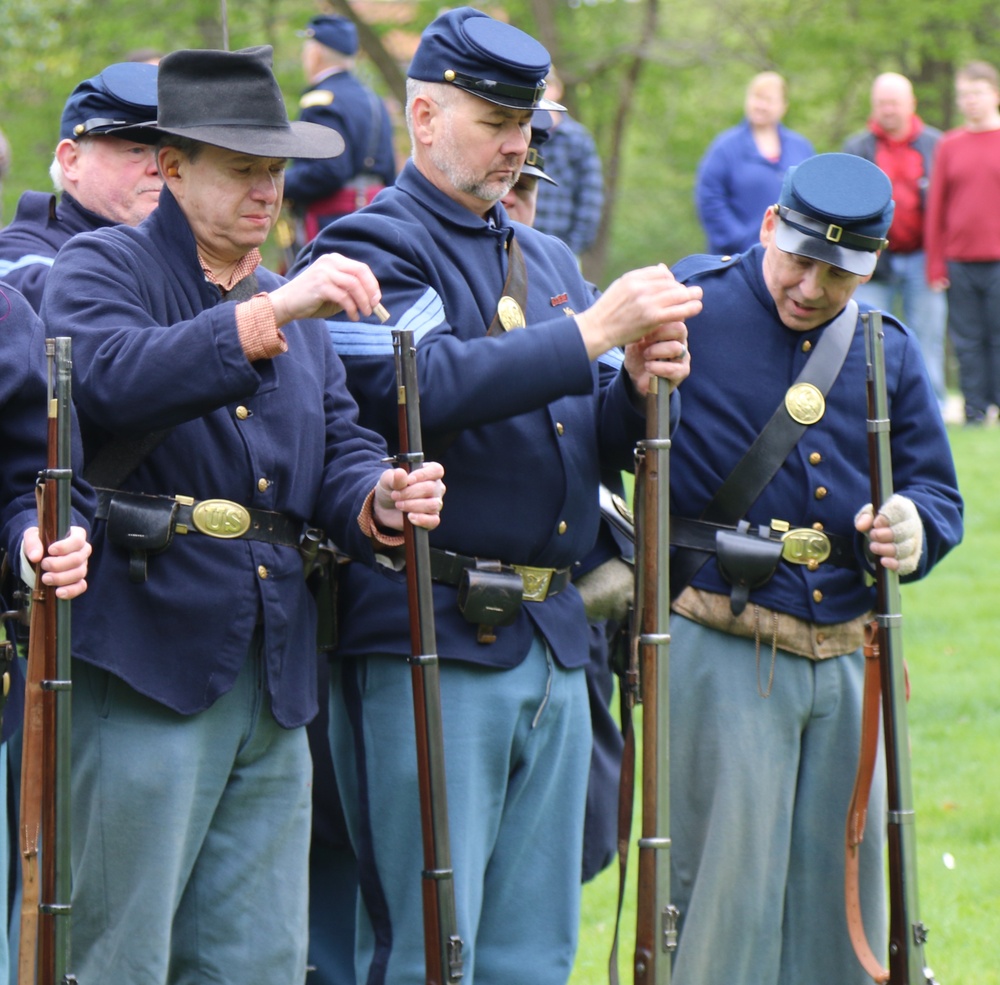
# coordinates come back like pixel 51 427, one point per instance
pixel 490 598
pixel 141 528
pixel 745 561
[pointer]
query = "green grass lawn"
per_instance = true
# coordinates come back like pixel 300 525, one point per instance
pixel 951 639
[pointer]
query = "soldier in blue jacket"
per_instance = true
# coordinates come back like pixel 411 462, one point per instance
pixel 217 422
pixel 766 676
pixel 523 419
pixel 321 190
pixel 102 177
pixel 23 437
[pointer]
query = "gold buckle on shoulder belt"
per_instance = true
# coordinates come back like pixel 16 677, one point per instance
pixel 536 581
pixel 802 545
pixel 218 517
pixel 511 315
pixel 805 403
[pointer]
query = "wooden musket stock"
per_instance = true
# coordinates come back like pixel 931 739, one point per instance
pixel 656 918
pixel 43 957
pixel 442 944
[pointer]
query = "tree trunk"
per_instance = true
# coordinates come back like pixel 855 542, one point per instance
pixel 595 259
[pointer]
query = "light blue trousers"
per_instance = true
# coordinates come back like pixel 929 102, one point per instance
pixel 759 791
pixel 190 837
pixel 517 753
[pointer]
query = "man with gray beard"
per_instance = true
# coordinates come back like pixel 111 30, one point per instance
pixel 528 388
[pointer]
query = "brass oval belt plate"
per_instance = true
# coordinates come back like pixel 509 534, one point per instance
pixel 805 403
pixel 221 518
pixel 803 545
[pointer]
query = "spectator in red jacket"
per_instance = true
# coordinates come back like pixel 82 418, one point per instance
pixel 963 235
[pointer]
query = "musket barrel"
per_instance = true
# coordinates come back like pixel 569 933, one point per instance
pixel 656 918
pixel 63 813
pixel 443 946
pixel 906 932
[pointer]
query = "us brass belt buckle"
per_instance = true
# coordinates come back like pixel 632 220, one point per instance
pixel 221 518
pixel 536 582
pixel 803 545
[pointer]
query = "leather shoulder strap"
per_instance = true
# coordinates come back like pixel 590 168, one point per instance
pixel 515 285
pixel 857 814
pixel 772 446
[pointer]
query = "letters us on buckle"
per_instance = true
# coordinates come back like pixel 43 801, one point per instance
pixel 536 582
pixel 804 545
pixel 221 518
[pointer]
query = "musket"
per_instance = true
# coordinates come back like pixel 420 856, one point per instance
pixel 442 944
pixel 907 934
pixel 656 917
pixel 45 770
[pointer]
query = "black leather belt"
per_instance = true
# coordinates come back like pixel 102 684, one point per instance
pixel 220 518
pixel 539 583
pixel 802 545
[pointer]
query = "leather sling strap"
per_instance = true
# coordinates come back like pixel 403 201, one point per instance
pixel 514 286
pixel 858 812
pixel 771 447
pixel 626 799
pixel 120 457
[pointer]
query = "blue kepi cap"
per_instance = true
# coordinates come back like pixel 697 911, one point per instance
pixel 124 94
pixel 836 208
pixel 534 162
pixel 486 57
pixel 333 31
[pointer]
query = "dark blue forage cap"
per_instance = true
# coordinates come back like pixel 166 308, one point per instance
pixel 333 31
pixel 541 125
pixel 123 94
pixel 486 57
pixel 836 208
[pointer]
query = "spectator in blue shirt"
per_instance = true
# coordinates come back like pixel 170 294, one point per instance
pixel 743 168
pixel 570 209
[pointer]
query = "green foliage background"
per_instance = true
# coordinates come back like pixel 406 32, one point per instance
pixel 690 71
pixel 951 625
pixel 692 68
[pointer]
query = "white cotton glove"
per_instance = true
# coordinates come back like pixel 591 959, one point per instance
pixel 907 529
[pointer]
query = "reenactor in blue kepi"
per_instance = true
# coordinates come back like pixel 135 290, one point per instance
pixel 319 191
pixel 528 387
pixel 100 177
pixel 774 536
